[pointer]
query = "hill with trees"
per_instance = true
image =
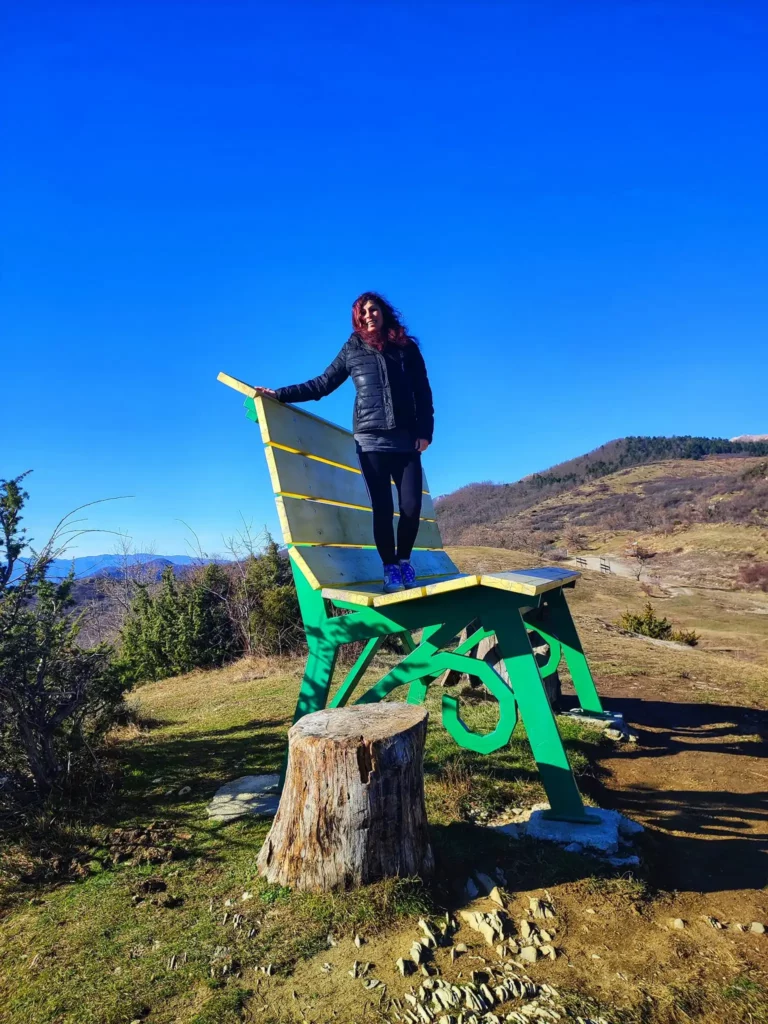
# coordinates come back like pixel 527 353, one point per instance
pixel 634 483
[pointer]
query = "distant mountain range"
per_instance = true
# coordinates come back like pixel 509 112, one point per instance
pixel 108 565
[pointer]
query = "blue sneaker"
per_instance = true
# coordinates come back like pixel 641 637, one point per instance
pixel 408 574
pixel 393 580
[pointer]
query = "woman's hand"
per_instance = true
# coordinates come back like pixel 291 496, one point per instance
pixel 422 445
pixel 265 391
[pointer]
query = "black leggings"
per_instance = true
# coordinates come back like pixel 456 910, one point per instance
pixel 379 469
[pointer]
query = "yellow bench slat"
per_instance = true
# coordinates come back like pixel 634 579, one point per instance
pixel 370 595
pixel 345 567
pixel 529 581
pixel 312 522
pixel 303 432
pixel 238 385
pixel 293 428
pixel 298 475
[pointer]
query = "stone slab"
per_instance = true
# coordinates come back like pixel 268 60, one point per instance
pixel 604 720
pixel 602 837
pixel 611 723
pixel 251 794
pixel 624 862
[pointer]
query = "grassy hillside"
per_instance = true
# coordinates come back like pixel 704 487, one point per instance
pixel 705 519
pixel 733 627
pixel 634 483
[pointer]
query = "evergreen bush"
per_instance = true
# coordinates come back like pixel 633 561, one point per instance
pixel 56 697
pixel 648 623
pixel 212 615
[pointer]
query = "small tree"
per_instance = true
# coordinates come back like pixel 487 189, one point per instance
pixel 55 697
pixel 641 556
pixel 112 591
pixel 648 623
pixel 274 622
pixel 213 615
pixel 180 626
pixel 573 538
pixel 262 598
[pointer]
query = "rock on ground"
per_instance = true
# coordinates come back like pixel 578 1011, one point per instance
pixel 610 722
pixel 252 794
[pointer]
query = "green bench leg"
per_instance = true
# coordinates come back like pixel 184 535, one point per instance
pixel 313 693
pixel 478 742
pixel 564 631
pixel 356 673
pixel 556 776
pixel 321 656
pixel 358 670
pixel 555 654
pixel 321 661
pixel 418 690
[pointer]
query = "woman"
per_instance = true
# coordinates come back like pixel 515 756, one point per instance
pixel 393 423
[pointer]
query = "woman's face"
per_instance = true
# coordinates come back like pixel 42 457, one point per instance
pixel 373 318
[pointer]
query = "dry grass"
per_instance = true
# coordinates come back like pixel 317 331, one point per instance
pixel 102 958
pixel 740 541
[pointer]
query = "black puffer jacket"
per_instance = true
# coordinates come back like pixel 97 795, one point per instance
pixel 373 404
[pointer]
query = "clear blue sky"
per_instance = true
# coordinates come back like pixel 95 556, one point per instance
pixel 567 200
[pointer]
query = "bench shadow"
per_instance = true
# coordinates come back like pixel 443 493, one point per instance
pixel 462 848
pixel 725 840
pixel 202 760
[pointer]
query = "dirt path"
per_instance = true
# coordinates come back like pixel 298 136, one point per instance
pixel 698 781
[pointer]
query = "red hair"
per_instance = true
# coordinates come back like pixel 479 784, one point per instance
pixel 393 329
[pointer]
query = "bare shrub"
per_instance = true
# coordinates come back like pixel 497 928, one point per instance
pixel 754 575
pixel 573 538
pixel 57 698
pixel 642 556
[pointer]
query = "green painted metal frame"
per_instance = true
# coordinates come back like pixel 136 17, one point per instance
pixel 441 617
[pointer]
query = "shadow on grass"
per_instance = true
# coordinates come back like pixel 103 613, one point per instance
pixel 205 759
pixel 155 769
pixel 516 762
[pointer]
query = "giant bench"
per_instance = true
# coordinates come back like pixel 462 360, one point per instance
pixel 327 524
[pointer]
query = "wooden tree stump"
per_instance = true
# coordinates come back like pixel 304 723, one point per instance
pixel 352 809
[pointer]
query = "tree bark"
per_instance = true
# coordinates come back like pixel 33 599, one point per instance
pixel 352 810
pixel 488 650
pixel 452 676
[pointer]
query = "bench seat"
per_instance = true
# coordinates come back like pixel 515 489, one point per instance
pixel 530 582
